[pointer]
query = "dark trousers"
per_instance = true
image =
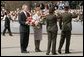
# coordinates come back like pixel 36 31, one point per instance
pixel 7 28
pixel 24 40
pixel 37 44
pixel 52 40
pixel 65 35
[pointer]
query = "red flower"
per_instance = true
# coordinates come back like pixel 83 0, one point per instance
pixel 31 21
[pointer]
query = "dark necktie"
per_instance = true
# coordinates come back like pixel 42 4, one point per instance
pixel 27 14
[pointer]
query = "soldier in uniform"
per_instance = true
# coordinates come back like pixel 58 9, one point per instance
pixel 52 29
pixel 66 27
pixel 7 18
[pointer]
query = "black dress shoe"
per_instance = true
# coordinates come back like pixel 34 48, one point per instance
pixel 38 50
pixel 3 35
pixel 59 51
pixel 67 52
pixel 24 51
pixel 11 35
pixel 54 53
pixel 47 53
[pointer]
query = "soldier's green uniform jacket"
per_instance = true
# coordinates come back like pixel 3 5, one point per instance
pixel 65 21
pixel 51 21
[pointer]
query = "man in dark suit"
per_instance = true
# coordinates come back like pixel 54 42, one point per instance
pixel 66 27
pixel 7 23
pixel 24 29
pixel 52 29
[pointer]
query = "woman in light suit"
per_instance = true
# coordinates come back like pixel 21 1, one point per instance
pixel 37 31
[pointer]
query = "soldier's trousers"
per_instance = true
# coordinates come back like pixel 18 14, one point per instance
pixel 65 35
pixel 8 30
pixel 52 40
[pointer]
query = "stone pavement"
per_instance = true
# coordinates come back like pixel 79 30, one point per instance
pixel 10 46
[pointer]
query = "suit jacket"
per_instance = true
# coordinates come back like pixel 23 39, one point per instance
pixel 22 19
pixel 51 21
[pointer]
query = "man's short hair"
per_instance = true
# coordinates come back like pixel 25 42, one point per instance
pixel 51 10
pixel 66 7
pixel 24 6
pixel 37 5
